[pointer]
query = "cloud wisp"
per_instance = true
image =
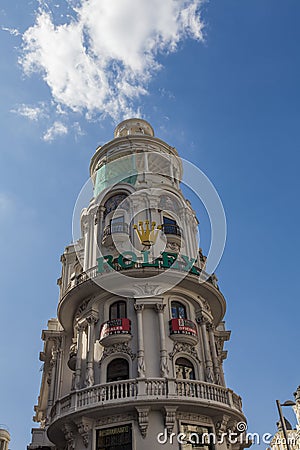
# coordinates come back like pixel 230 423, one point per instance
pixel 99 58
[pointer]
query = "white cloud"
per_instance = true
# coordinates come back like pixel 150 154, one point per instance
pixel 11 31
pixel 7 205
pixel 31 112
pixel 102 57
pixel 57 129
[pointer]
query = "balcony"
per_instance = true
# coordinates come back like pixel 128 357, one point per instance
pixel 173 229
pixel 115 232
pixel 183 330
pixel 115 331
pixel 117 393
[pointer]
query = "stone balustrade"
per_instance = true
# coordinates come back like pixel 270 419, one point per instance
pixel 144 390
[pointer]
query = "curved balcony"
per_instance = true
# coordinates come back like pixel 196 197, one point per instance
pixel 173 233
pixel 115 331
pixel 195 394
pixel 83 286
pixel 183 330
pixel 115 232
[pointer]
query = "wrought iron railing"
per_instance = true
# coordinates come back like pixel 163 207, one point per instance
pixel 115 228
pixel 169 228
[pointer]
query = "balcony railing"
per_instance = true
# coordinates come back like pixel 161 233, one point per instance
pixel 115 330
pixel 93 273
pixel 144 390
pixel 182 326
pixel 183 330
pixel 115 228
pixel 169 228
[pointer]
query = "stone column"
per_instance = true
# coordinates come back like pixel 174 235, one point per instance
pixel 99 229
pixel 209 375
pixel 89 380
pixel 80 330
pixel 214 354
pixel 86 230
pixel 140 335
pixel 164 370
pixel 52 376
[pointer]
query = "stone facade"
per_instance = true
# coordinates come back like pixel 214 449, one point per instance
pixel 135 355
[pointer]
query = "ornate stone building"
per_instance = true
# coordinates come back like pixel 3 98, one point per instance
pixel 135 355
pixel 4 438
pixel 293 434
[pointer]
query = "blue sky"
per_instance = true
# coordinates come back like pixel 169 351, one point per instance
pixel 226 95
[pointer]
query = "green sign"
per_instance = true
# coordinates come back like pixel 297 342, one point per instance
pixel 129 260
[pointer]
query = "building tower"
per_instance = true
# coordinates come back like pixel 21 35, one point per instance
pixel 4 438
pixel 135 355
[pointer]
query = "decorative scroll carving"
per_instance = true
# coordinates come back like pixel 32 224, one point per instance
pixel 69 433
pixel 159 307
pixel 221 424
pixel 118 348
pixel 170 418
pixel 183 347
pixel 84 427
pixel 143 419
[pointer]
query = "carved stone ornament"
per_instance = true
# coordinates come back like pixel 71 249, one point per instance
pixel 89 379
pixel 147 289
pixel 209 375
pixel 159 307
pixel 118 348
pixel 221 424
pixel 191 417
pixel 170 418
pixel 69 433
pixel 119 418
pixel 141 365
pixel 82 308
pixel 164 369
pixel 84 427
pixel 173 246
pixel 138 307
pixel 183 347
pixel 143 419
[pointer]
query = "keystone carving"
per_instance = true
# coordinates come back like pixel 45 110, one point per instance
pixel 118 348
pixel 183 347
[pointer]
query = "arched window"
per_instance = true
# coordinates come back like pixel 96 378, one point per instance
pixel 184 369
pixel 113 202
pixel 117 369
pixel 178 310
pixel 118 310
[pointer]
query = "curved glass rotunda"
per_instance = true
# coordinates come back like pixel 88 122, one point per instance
pixel 134 359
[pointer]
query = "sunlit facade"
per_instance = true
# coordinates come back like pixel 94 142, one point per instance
pixel 135 355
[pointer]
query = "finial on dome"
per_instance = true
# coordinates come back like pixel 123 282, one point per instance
pixel 133 127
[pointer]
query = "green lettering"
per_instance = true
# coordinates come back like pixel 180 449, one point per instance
pixel 146 262
pixel 124 262
pixel 168 259
pixel 189 265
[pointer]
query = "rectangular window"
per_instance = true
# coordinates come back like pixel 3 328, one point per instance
pixel 197 437
pixel 114 438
